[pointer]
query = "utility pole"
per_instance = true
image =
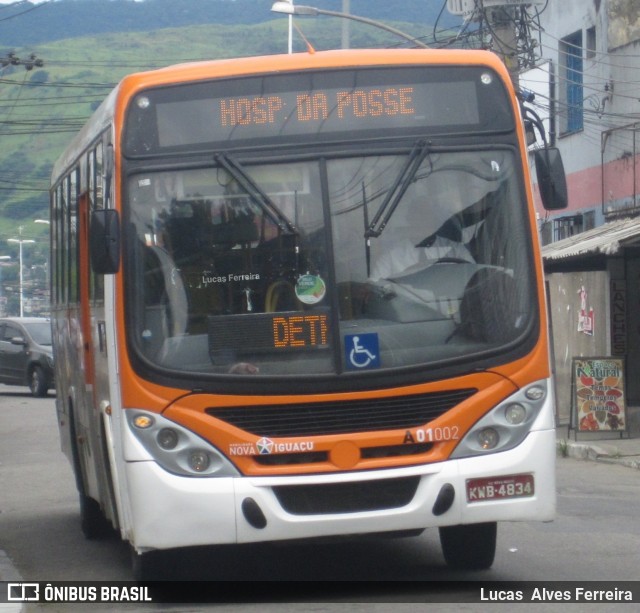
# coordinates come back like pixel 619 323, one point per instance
pixel 505 42
pixel 506 24
pixel 11 59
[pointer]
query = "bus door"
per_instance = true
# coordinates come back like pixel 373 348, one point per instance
pixel 85 298
pixel 92 312
pixel 93 324
pixel 97 470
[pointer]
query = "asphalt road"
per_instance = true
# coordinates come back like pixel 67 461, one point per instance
pixel 596 536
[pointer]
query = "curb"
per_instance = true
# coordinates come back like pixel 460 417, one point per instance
pixel 594 453
pixel 629 463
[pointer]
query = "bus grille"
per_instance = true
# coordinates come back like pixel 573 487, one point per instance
pixel 366 453
pixel 347 497
pixel 318 418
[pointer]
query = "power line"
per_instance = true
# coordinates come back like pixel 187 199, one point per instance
pixel 32 7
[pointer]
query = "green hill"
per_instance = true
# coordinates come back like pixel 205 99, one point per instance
pixel 41 109
pixel 25 25
pixel 87 46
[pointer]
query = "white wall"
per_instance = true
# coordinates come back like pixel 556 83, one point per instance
pixel 567 341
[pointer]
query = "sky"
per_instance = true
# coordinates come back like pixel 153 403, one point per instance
pixel 32 1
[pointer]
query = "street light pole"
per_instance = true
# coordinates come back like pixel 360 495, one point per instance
pixel 346 9
pixel 46 265
pixel 287 7
pixel 20 242
pixel 2 258
pixel 290 45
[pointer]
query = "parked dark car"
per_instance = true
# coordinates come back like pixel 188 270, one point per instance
pixel 26 353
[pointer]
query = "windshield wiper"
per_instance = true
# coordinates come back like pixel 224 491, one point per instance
pixel 233 167
pixel 399 187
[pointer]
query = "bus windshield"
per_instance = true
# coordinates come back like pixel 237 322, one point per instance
pixel 224 286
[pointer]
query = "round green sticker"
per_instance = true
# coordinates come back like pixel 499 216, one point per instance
pixel 310 289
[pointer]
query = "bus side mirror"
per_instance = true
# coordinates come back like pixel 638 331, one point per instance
pixel 552 181
pixel 104 241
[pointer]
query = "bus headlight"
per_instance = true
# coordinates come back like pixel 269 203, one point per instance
pixel 505 426
pixel 199 461
pixel 515 413
pixel 488 438
pixel 168 438
pixel 177 449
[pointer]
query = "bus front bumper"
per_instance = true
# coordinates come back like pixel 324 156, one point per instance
pixel 168 511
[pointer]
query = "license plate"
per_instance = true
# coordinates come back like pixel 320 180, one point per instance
pixel 499 488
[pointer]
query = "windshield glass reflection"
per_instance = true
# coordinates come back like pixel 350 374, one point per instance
pixel 240 270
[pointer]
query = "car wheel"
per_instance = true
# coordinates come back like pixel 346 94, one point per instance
pixel 38 382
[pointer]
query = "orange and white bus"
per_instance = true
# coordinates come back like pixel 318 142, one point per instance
pixel 301 296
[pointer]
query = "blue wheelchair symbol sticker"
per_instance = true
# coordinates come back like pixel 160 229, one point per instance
pixel 361 351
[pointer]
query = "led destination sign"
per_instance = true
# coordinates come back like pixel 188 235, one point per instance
pixel 303 331
pixel 346 105
pixel 317 112
pixel 268 332
pixel 341 104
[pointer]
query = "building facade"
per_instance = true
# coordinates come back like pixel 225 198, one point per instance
pixel 591 105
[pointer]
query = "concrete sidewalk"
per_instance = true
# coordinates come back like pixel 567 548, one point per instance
pixel 606 447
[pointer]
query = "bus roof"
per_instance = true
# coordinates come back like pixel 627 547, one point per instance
pixel 305 61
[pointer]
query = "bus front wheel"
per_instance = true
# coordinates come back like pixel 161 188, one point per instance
pixel 93 523
pixel 146 566
pixel 471 547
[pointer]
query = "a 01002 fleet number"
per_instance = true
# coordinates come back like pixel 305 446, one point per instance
pixel 432 435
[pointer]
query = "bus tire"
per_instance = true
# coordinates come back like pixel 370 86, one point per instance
pixel 93 523
pixel 92 520
pixel 470 547
pixel 146 566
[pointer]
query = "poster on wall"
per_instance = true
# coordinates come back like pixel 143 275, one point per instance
pixel 598 399
pixel 585 315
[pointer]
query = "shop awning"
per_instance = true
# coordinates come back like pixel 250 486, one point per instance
pixel 607 239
